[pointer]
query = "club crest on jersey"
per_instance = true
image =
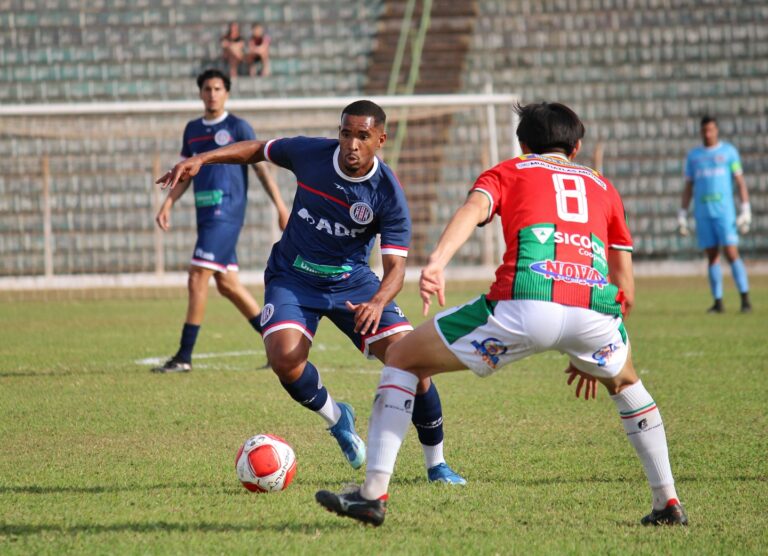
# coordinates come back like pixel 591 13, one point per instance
pixel 266 313
pixel 361 213
pixel 490 350
pixel 222 137
pixel 572 273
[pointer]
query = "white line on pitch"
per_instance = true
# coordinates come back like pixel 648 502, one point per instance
pixel 158 360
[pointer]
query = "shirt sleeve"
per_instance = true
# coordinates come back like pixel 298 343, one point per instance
pixel 245 132
pixel 395 224
pixel 489 184
pixel 619 237
pixel 689 166
pixel 185 150
pixel 736 168
pixel 284 152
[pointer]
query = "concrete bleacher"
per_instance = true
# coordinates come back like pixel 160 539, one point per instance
pixel 102 200
pixel 641 75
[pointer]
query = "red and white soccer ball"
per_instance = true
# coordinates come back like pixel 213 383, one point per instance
pixel 265 463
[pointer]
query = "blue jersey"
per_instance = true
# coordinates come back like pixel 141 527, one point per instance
pixel 221 190
pixel 711 169
pixel 335 217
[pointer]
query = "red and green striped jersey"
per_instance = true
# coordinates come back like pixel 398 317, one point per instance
pixel 558 219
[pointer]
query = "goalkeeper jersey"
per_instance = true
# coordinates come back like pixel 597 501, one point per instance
pixel 558 219
pixel 711 169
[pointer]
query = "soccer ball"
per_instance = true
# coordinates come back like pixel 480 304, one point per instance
pixel 265 463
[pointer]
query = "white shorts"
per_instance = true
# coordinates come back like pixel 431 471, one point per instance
pixel 486 335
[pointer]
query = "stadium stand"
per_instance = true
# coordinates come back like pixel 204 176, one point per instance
pixel 640 74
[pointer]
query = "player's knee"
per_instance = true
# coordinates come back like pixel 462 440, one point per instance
pixel 287 363
pixel 226 289
pixel 196 280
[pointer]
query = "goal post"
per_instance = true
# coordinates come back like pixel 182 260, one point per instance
pixel 80 201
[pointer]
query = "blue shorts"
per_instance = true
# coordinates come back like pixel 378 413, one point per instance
pixel 215 247
pixel 713 232
pixel 290 302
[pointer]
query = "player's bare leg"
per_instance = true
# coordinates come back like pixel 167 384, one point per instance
pixel 423 354
pixel 739 272
pixel 230 286
pixel 197 289
pixel 427 418
pixel 288 353
pixel 645 431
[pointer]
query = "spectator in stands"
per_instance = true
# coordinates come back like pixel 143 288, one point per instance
pixel 258 50
pixel 710 172
pixel 220 200
pixel 233 48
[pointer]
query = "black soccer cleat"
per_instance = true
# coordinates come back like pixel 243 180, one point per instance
pixel 173 365
pixel 717 307
pixel 746 306
pixel 352 504
pixel 673 514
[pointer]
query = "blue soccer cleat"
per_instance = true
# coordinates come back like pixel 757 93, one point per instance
pixel 350 443
pixel 441 473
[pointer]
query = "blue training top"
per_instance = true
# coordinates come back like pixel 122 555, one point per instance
pixel 712 169
pixel 335 217
pixel 221 190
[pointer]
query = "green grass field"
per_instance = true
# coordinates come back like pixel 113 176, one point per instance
pixel 99 456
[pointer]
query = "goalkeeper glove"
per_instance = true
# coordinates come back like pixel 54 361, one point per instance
pixel 682 222
pixel 744 219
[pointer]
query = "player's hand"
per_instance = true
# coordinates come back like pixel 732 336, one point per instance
pixel 184 170
pixel 682 222
pixel 584 380
pixel 431 282
pixel 163 218
pixel 744 219
pixel 367 316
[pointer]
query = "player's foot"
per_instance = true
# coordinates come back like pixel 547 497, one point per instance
pixel 441 473
pixel 344 432
pixel 673 514
pixel 173 365
pixel 717 307
pixel 352 504
pixel 746 306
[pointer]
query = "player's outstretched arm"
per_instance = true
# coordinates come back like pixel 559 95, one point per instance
pixel 163 217
pixel 368 314
pixel 620 268
pixel 474 211
pixel 270 188
pixel 243 152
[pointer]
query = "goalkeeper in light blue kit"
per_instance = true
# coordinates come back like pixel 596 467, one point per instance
pixel 710 171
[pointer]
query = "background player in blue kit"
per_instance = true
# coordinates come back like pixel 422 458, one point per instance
pixel 709 174
pixel 220 201
pixel 345 197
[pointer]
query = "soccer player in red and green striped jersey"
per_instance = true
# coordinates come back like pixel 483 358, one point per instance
pixel 565 284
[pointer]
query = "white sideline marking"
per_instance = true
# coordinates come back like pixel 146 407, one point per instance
pixel 159 360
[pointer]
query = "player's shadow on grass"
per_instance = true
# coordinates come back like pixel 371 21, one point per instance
pixel 307 528
pixel 98 489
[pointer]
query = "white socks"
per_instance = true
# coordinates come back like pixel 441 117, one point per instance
pixel 390 420
pixel 645 430
pixel 330 411
pixel 433 455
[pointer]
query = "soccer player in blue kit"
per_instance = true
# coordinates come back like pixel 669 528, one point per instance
pixel 345 196
pixel 710 170
pixel 220 200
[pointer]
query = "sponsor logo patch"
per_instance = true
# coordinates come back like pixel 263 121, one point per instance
pixel 361 213
pixel 604 354
pixel 222 137
pixel 490 350
pixel 266 313
pixel 572 273
pixel 542 234
pixel 205 255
